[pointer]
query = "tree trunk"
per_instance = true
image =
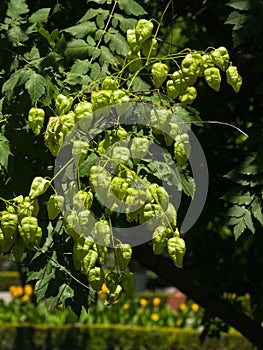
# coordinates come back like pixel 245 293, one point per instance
pixel 179 278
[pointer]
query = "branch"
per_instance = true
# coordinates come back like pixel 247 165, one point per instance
pixel 179 278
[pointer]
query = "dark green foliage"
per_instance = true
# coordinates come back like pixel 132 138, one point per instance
pixel 111 338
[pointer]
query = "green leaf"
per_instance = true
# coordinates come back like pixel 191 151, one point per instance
pixel 16 8
pixel 4 151
pixel 248 221
pixel 40 16
pixel 36 86
pixel 107 56
pixel 78 73
pixel 117 43
pixel 257 211
pixel 238 197
pixel 17 35
pixel 77 48
pixel 125 23
pixel 95 71
pixel 188 184
pixel 82 29
pixel 52 60
pixel 42 284
pixel 91 13
pixel 241 5
pixel 131 7
pixel 237 211
pixel 100 2
pixel 101 18
pixel 86 165
pixel 81 66
pixel 237 19
pixel 16 79
pixel 239 229
pixel 33 55
pixel 10 84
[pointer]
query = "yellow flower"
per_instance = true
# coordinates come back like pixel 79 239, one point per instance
pixel 143 302
pixel 155 317
pixel 28 289
pixel 156 301
pixel 25 298
pixel 195 307
pixel 16 291
pixel 126 306
pixel 103 290
pixel 183 307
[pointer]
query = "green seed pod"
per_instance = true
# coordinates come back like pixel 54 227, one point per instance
pixel 159 73
pixel 9 224
pixel 5 243
pixel 174 130
pixel 120 96
pixel 81 247
pixel 150 47
pixel 220 57
pixel 189 96
pixel 179 153
pixel 72 224
pixel 143 30
pixel 112 279
pixel 102 232
pixel 191 68
pixel 119 187
pixel 54 206
pixel 213 78
pixel 83 200
pixel 207 61
pixel 36 117
pixel 99 180
pixel 96 278
pixel 134 60
pixel 171 90
pixel 100 99
pixel 159 194
pixel 29 231
pixel 147 213
pixel 39 186
pixel 120 154
pixel 109 83
pixel 159 239
pixel 82 110
pixel 123 254
pixel 112 298
pixel 102 253
pixel 233 78
pixel 88 262
pixel 160 119
pixel 54 135
pixel 121 133
pixel 128 283
pixel 139 148
pixel 132 40
pixel 179 81
pixel 171 215
pixel 68 121
pixel 176 250
pixel 135 199
pixel 18 249
pixel 83 114
pixel 63 103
